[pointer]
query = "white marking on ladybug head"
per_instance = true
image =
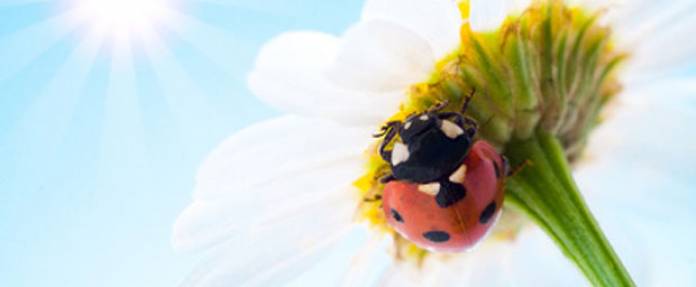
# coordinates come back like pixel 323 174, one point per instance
pixel 408 125
pixel 458 175
pixel 430 188
pixel 423 117
pixel 399 153
pixel 451 129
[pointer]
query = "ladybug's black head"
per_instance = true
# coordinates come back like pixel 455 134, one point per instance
pixel 432 145
pixel 416 125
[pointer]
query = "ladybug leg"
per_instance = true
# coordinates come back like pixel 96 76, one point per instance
pixel 386 128
pixel 516 169
pixel 471 122
pixel 389 132
pixel 387 178
pixel 465 106
pixel 374 198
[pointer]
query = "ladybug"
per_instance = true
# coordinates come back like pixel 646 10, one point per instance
pixel 445 189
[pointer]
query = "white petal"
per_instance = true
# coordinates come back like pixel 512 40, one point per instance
pixel 380 56
pixel 330 270
pixel 272 198
pixel 654 33
pixel 273 169
pixel 368 262
pixel 534 260
pixel 403 274
pixel 488 15
pixel 437 21
pixel 290 74
pixel 276 148
pixel 524 262
pixel 531 260
pixel 277 252
pixel 486 265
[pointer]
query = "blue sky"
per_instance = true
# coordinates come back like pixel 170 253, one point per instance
pixel 99 147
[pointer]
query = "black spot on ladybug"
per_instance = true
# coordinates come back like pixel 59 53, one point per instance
pixel 497 169
pixel 437 236
pixel 450 193
pixel 397 215
pixel 487 213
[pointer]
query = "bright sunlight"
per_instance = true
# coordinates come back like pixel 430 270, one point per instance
pixel 121 19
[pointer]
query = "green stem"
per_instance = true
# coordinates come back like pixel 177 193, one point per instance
pixel 545 190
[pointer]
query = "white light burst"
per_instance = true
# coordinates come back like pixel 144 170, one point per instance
pixel 120 21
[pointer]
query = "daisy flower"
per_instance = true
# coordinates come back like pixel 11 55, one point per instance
pixel 600 87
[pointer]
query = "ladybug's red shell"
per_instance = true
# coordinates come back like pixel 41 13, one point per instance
pixel 417 216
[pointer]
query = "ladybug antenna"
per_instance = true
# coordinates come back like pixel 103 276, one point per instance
pixel 438 107
pixel 467 100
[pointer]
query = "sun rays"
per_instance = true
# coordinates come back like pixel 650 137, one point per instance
pixel 122 16
pixel 129 35
pixel 120 23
